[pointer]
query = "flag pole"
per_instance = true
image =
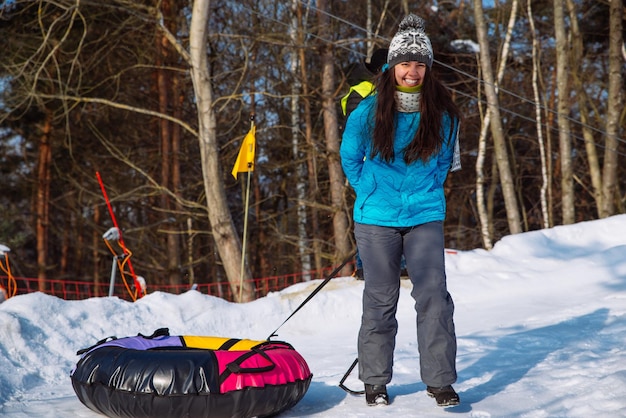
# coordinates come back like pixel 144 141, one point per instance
pixel 245 221
pixel 245 235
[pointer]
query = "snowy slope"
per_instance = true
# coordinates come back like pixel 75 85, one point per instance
pixel 541 327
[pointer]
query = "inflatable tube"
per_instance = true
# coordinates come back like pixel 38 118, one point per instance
pixel 189 376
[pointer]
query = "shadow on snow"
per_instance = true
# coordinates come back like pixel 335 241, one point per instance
pixel 514 355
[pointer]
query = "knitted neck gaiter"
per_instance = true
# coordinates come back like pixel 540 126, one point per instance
pixel 408 99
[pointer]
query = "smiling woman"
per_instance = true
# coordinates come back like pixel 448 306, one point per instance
pixel 398 146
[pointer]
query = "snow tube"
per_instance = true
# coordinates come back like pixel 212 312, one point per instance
pixel 189 376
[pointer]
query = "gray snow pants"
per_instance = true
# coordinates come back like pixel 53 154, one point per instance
pixel 381 249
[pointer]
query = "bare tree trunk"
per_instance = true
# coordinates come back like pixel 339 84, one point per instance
pixel 65 247
pixel 191 277
pixel 491 195
pixel 301 168
pixel 614 107
pixel 543 194
pixel 331 132
pixel 483 215
pixel 169 156
pixel 548 106
pixel 42 202
pixel 224 232
pixel 563 107
pixel 581 97
pixel 370 34
pixel 311 158
pixel 175 238
pixel 482 141
pixel 95 243
pixel 506 178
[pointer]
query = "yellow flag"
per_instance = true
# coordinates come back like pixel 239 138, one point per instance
pixel 245 159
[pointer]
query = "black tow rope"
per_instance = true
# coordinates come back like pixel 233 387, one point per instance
pixel 316 291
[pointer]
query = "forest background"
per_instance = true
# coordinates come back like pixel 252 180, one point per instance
pixel 157 96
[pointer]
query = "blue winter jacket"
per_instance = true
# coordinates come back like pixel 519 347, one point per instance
pixel 393 193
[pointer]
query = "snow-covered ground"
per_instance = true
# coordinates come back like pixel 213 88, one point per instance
pixel 541 327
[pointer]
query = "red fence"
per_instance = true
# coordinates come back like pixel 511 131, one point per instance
pixel 80 289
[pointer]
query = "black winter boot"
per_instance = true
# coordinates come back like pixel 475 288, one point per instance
pixel 445 395
pixel 376 395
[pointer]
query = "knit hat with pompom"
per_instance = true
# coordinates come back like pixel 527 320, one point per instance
pixel 410 43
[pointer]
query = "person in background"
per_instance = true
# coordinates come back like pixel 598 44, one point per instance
pixel 361 78
pixel 397 148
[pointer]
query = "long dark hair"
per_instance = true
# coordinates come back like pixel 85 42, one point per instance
pixel 434 102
